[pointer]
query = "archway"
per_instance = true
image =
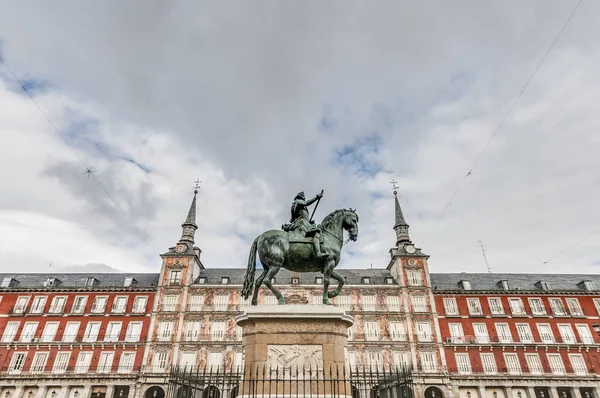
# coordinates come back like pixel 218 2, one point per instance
pixel 433 392
pixel 184 392
pixel 211 392
pixel 155 392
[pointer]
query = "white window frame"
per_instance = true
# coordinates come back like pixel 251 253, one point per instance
pixel 81 308
pixel 524 332
pixel 113 332
pixel 369 302
pixel 56 307
pixel 192 330
pixel 578 364
pixel 140 303
pixel 17 362
pixel 534 364
pixel 586 337
pixel 218 330
pixel 597 304
pixel 105 362
pixel 414 277
pixel 38 304
pixel 513 366
pixel 344 301
pixel 99 309
pixel 557 366
pixel 397 331
pixel 481 333
pixel 221 302
pixel 488 363
pixel 393 303
pixel 372 330
pixel 83 363
pixel 159 361
pixel 450 307
pixel 68 337
pixel 566 333
pixel 92 329
pixel 187 360
pixel 424 335
pixel 132 336
pixel 546 336
pixel 38 365
pixel 28 332
pixel 418 306
pixel 463 363
pixel 457 334
pixel 48 335
pixel 503 337
pixel 164 330
pixel 21 304
pixel 574 306
pixel 61 362
pixel 496 307
pixel 126 362
pixel 557 306
pixel 117 307
pixel 518 308
pixel 536 304
pixel 169 303
pixel 474 306
pixel 9 335
pixel 175 277
pixel 214 361
pixel 428 361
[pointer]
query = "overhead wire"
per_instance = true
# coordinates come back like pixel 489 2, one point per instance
pixel 502 120
pixel 79 158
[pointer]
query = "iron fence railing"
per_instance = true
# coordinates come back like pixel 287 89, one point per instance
pixel 260 381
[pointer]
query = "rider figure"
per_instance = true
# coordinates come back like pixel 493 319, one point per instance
pixel 301 220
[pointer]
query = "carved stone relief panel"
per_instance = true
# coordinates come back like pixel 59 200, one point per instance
pixel 295 355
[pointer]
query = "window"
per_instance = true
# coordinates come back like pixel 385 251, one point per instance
pixel 191 331
pixel 512 364
pixel 344 301
pixel 428 361
pixel 474 306
pixel 574 307
pixel 244 303
pixel 91 332
pixel 537 306
pixel 389 280
pixel 202 280
pixel 295 281
pixel 488 363
pixel 105 362
pixel 543 285
pixel 578 364
pixel 567 334
pixel 159 362
pixel 505 285
pixel 419 303
pixel 215 360
pixel 351 360
pixel 557 307
pixel 49 332
pixel 91 281
pixel 165 330
pixel 170 303
pixel 83 362
pixel 139 305
pixel 368 303
pixel 516 306
pixel 126 362
pixel 400 359
pixel 272 300
pixel 496 307
pixel 393 303
pixel 450 307
pixel 319 280
pixel 113 330
pixel 39 362
pixel 316 300
pixel 481 333
pixel 414 278
pixel 238 361
pixel 423 331
pixel 588 285
pixel 556 364
pixel 134 332
pixel 20 305
pixel 546 334
pixel 350 333
pixel 524 332
pixel 71 331
pixel 366 280
pixel 79 305
pixel 129 282
pixel 222 302
pixel 10 331
pixel 225 280
pixel 597 304
pixel 466 285
pixel 503 331
pixel 463 363
pixel 239 331
pixel 196 303
pixel 28 332
pixel 38 304
pixel 61 362
pixel 17 363
pixel 6 282
pixel 58 305
pixel 119 305
pixel 99 305
pixel 584 334
pixel 374 360
pixel 217 331
pixel 397 332
pixel 187 361
pixel 534 364
pixel 456 333
pixel 372 330
pixel 175 277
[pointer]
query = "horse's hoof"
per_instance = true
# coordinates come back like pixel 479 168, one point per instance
pixel 254 302
pixel 331 294
pixel 282 302
pixel 327 302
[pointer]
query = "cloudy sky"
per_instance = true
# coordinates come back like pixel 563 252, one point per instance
pixel 263 99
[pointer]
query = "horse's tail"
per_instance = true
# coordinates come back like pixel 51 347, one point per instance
pixel 249 278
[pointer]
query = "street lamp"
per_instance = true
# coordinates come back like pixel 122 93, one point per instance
pixel 7 394
pixel 53 394
pixel 76 393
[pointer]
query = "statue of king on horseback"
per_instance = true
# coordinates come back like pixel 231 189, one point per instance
pixel 301 246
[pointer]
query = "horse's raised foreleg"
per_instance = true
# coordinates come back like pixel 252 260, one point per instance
pixel 257 284
pixel 273 270
pixel 341 282
pixel 327 271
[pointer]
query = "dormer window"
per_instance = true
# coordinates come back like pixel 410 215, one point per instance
pixel 366 280
pixel 466 285
pixel 389 280
pixel 587 285
pixel 202 280
pixel 543 285
pixel 8 282
pixel 52 282
pixel 225 280
pixel 504 285
pixel 319 280
pixel 129 282
pixel 295 281
pixel 91 281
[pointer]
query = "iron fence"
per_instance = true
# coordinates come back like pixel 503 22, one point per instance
pixel 263 382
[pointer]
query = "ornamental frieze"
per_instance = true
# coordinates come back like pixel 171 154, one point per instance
pixel 287 327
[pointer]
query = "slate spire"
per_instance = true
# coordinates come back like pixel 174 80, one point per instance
pixel 400 226
pixel 189 226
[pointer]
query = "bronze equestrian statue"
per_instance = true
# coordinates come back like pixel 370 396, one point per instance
pixel 301 247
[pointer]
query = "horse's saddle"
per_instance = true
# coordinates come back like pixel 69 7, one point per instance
pixel 299 236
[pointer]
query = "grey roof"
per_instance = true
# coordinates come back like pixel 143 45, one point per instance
pixel 529 282
pixel 398 212
pixel 353 276
pixel 78 280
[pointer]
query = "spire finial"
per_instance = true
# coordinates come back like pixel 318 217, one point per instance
pixel 400 225
pixel 197 185
pixel 189 226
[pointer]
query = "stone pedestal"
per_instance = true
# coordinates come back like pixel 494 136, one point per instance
pixel 291 347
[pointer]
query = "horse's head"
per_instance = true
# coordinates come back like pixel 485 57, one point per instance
pixel 350 224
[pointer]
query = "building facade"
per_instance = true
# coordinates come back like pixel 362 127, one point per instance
pixel 464 335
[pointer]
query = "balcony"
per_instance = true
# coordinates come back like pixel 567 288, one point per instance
pixel 56 310
pixel 119 309
pixel 69 339
pixel 503 340
pixel 537 372
pixel 92 371
pixel 168 308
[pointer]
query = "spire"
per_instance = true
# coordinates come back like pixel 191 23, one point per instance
pixel 400 226
pixel 189 226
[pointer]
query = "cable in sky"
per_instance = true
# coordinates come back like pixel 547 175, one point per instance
pixel 510 109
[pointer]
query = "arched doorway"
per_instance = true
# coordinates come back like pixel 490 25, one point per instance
pixel 211 392
pixel 155 392
pixel 433 392
pixel 184 392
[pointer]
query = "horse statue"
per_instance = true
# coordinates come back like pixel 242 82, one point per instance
pixel 278 248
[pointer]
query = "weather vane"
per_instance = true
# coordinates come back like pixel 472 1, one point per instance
pixel 89 171
pixel 197 185
pixel 395 186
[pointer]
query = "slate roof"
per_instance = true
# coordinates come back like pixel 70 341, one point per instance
pixel 527 282
pixel 78 280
